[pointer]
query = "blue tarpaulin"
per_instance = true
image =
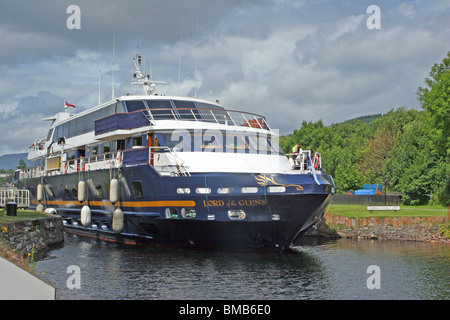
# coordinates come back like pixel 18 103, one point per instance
pixel 121 121
pixel 370 189
pixel 135 156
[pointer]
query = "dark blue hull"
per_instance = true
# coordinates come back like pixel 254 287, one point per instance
pixel 191 211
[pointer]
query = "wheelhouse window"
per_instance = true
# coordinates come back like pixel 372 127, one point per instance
pixel 160 109
pixel 187 110
pixel 134 105
pixel 213 113
pixel 49 135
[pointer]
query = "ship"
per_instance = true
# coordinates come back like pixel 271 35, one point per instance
pixel 174 171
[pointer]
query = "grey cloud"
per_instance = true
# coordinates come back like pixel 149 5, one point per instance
pixel 286 59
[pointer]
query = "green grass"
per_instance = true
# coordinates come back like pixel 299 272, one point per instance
pixel 21 215
pixel 360 211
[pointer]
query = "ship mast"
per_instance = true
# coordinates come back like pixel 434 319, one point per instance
pixel 144 80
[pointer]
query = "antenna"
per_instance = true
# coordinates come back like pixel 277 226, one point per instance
pixel 99 73
pixel 114 48
pixel 179 59
pixel 140 79
pixel 195 65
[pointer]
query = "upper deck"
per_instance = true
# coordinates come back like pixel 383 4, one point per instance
pixel 173 113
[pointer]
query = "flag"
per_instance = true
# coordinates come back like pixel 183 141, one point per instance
pixel 68 104
pixel 311 167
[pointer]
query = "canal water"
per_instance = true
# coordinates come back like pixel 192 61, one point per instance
pixel 85 268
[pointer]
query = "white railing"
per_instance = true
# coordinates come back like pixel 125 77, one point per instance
pixel 300 161
pixel 219 116
pixel 164 159
pixel 21 197
pixel 95 162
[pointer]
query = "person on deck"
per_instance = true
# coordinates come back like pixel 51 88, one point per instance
pixel 296 154
pixel 297 148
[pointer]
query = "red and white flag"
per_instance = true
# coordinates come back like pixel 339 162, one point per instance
pixel 68 104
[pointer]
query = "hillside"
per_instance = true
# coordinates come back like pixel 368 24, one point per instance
pixel 366 119
pixel 11 161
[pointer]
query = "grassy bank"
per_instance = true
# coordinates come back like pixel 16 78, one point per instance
pixel 21 215
pixel 9 253
pixel 360 211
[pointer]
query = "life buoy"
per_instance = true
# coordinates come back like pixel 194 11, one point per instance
pixel 66 167
pixel 316 160
pixel 81 164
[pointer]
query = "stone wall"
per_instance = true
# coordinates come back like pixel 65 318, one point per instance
pixel 37 233
pixel 399 228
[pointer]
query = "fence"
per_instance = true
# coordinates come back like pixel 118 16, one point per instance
pixel 376 199
pixel 21 197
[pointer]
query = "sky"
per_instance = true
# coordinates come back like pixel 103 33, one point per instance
pixel 289 60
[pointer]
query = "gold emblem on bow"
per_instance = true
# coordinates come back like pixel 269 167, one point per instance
pixel 262 180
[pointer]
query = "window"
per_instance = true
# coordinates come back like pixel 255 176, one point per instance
pixel 160 109
pixel 275 189
pixel 107 147
pixel 137 141
pixel 224 190
pixel 99 191
pixel 187 110
pixel 49 190
pixel 96 149
pixel 249 189
pixel 188 213
pixel 66 191
pixel 137 188
pixel 171 213
pixel 135 105
pixel 203 190
pixel 220 141
pixel 118 108
pixel 49 135
pixel 236 214
pixel 183 190
pixel 213 113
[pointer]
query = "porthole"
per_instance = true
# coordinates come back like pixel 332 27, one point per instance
pixel 275 189
pixel 171 213
pixel 188 213
pixel 224 190
pixel 249 189
pixel 183 190
pixel 203 190
pixel 236 214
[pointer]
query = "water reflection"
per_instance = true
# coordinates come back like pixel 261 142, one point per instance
pixel 333 269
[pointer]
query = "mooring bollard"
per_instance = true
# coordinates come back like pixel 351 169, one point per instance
pixel 11 209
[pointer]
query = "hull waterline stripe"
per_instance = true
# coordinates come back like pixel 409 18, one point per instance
pixel 134 204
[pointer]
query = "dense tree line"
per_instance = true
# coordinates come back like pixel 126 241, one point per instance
pixel 406 149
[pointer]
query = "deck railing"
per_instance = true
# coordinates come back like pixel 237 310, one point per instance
pixel 21 197
pixel 219 116
pixel 304 160
pixel 144 117
pixel 164 159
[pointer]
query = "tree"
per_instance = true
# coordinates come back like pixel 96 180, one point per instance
pixel 435 101
pixel 22 164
